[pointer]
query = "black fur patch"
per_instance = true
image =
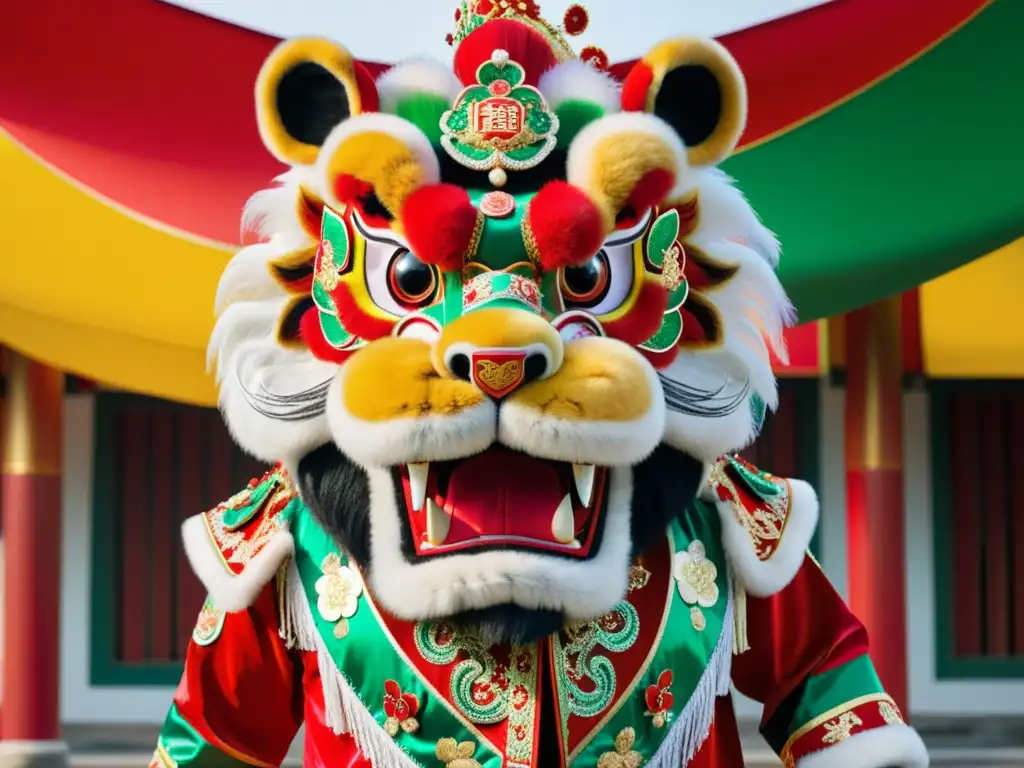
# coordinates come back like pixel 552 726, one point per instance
pixel 663 485
pixel 337 492
pixel 690 100
pixel 310 102
pixel 510 623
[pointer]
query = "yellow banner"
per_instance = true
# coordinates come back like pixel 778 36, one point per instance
pixel 972 319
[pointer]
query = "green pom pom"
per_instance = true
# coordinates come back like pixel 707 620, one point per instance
pixel 424 110
pixel 573 116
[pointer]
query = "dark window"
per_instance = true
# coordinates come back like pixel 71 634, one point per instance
pixel 978 528
pixel 156 464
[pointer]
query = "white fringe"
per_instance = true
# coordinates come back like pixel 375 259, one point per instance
pixel 693 725
pixel 344 712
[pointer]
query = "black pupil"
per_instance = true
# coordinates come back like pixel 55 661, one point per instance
pixel 412 277
pixel 583 279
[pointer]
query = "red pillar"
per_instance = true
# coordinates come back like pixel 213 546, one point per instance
pixel 874 487
pixel 32 553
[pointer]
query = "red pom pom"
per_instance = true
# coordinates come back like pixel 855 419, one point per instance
pixel 651 189
pixel 595 57
pixel 313 337
pixel 439 221
pixel 525 45
pixel 644 318
pixel 355 319
pixel 566 225
pixel 634 89
pixel 575 20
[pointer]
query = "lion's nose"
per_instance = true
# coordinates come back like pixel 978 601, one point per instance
pixel 499 350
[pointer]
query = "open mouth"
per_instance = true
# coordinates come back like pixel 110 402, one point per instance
pixel 503 498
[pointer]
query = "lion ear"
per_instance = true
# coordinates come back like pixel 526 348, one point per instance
pixel 696 86
pixel 306 87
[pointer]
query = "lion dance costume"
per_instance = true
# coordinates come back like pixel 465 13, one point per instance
pixel 504 322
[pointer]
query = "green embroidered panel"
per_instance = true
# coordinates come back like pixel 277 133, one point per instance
pixel 448 685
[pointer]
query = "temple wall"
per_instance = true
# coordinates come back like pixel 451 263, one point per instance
pixel 82 702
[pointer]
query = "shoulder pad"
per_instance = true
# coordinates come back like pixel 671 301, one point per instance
pixel 237 547
pixel 767 523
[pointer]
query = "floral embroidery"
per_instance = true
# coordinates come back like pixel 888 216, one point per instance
pixel 339 590
pixel 589 677
pixel 765 515
pixel 208 625
pixel 624 755
pixel 401 709
pixel 456 755
pixel 638 577
pixel 485 690
pixel 839 730
pixel 890 713
pixel 659 699
pixel 695 577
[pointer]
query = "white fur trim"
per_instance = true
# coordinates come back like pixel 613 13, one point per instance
pixel 725 376
pixel 579 162
pixel 583 589
pixel 766 577
pixel 726 214
pixel 402 130
pixel 576 80
pixel 247 277
pixel 891 746
pixel 607 443
pixel 427 76
pixel 230 592
pixel 273 212
pixel 410 439
pixel 258 370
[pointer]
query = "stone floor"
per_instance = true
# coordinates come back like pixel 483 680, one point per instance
pixel 967 742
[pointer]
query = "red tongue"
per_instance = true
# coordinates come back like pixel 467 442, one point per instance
pixel 500 493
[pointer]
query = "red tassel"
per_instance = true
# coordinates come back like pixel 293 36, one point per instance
pixel 313 337
pixel 357 321
pixel 634 89
pixel 439 222
pixel 526 46
pixel 644 318
pixel 566 225
pixel 652 188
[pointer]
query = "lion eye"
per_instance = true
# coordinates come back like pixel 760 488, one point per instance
pixel 585 285
pixel 412 283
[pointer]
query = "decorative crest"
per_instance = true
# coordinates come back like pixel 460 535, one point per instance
pixel 499 122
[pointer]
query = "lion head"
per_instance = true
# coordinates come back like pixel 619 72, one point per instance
pixel 502 314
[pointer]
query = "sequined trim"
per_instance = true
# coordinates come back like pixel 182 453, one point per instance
pixel 768 502
pixel 589 676
pixel 838 724
pixel 209 624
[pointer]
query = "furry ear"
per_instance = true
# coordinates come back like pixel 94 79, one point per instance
pixel 306 87
pixel 695 86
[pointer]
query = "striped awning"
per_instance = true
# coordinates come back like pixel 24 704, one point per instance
pixel 129 150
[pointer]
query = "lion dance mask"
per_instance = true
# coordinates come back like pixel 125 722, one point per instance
pixel 503 331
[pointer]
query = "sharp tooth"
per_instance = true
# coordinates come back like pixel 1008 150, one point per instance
pixel 418 474
pixel 438 523
pixel 584 474
pixel 563 524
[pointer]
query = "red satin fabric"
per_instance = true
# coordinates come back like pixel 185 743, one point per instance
pixel 722 748
pixel 804 630
pixel 239 692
